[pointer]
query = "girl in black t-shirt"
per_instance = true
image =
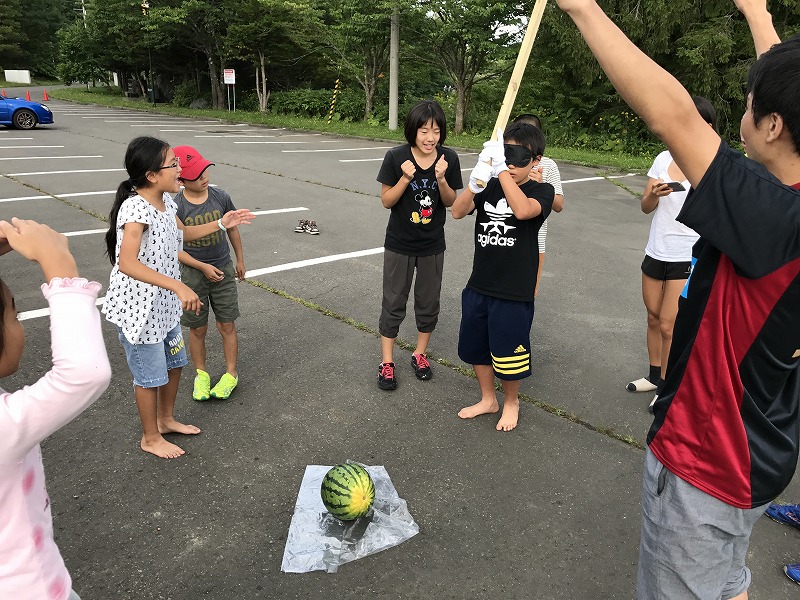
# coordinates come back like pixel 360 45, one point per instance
pixel 418 182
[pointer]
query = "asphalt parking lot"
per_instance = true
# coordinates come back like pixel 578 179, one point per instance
pixel 550 510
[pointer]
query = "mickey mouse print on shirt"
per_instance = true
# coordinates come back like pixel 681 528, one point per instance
pixel 425 208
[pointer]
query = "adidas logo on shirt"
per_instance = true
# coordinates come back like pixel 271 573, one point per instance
pixel 519 349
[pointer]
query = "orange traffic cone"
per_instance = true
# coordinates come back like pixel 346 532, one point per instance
pixel 3 93
pixel 27 95
pixel 46 97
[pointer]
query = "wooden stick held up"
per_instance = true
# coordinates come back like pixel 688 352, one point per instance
pixel 519 69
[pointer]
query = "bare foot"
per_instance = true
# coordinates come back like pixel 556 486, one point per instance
pixel 508 420
pixel 172 426
pixel 484 407
pixel 162 448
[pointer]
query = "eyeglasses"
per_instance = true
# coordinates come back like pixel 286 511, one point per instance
pixel 175 165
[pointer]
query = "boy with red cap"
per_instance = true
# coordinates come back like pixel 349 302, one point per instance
pixel 206 267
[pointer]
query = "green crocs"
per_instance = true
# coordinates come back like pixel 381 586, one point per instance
pixel 202 386
pixel 224 387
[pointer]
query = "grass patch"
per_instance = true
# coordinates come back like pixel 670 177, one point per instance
pixel 468 141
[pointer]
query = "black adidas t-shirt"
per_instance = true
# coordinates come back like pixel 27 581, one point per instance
pixel 727 418
pixel 416 222
pixel 506 248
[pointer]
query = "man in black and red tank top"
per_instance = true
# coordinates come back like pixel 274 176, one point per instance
pixel 724 442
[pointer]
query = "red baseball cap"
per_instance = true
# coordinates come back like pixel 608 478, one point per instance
pixel 192 162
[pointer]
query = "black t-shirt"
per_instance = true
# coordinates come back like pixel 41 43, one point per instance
pixel 416 223
pixel 727 418
pixel 506 248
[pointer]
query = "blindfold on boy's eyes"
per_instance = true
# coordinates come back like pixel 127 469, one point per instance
pixel 517 156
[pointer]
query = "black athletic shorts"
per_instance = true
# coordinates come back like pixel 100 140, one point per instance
pixel 664 271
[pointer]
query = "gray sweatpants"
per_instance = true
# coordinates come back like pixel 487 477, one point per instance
pixel 398 272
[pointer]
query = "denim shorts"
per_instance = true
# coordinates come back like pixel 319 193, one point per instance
pixel 150 363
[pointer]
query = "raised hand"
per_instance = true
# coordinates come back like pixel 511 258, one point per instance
pixel 441 168
pixel 408 169
pixel 39 243
pixel 496 153
pixel 233 218
pixel 480 175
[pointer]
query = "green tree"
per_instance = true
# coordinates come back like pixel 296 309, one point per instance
pixel 200 25
pixel 77 61
pixel 12 37
pixel 357 34
pixel 471 41
pixel 41 21
pixel 265 32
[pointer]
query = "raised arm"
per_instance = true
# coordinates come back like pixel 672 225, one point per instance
pixel 655 95
pixel 760 22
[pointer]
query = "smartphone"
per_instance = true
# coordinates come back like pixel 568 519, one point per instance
pixel 675 186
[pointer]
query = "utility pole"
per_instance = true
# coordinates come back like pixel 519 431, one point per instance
pixel 152 90
pixel 394 67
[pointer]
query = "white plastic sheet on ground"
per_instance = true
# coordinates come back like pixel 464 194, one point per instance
pixel 318 541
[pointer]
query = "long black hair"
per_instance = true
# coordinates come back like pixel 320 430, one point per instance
pixel 144 155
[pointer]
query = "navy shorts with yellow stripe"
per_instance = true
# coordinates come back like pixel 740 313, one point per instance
pixel 496 332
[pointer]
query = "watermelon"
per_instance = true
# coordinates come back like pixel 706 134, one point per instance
pixel 347 491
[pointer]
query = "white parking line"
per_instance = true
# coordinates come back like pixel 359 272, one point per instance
pixel 85 232
pixel 16 139
pixel 342 149
pixel 77 194
pixel 274 211
pixel 48 157
pixel 45 312
pixel 274 142
pixel 62 172
pixel 26 147
pixel 597 178
pixel 222 135
pixel 256 136
pixel 313 261
pixel 24 198
pixel 369 160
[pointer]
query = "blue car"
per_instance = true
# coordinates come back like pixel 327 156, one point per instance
pixel 23 114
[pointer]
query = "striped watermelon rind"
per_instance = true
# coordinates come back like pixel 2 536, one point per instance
pixel 347 491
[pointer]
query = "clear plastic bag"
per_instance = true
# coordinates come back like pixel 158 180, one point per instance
pixel 318 541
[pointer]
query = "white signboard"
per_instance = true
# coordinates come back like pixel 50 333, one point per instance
pixel 229 76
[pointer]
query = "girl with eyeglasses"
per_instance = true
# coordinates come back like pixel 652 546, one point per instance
pixel 145 296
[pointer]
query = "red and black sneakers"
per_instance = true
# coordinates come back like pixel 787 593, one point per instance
pixel 386 380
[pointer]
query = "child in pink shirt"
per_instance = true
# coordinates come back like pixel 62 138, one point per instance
pixel 31 567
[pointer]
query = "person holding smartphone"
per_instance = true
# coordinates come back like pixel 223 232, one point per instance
pixel 667 260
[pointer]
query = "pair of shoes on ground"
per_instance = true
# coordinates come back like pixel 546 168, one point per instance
pixel 420 363
pixel 306 226
pixel 788 514
pixel 222 391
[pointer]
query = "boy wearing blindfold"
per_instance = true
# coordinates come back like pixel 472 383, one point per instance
pixel 497 303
